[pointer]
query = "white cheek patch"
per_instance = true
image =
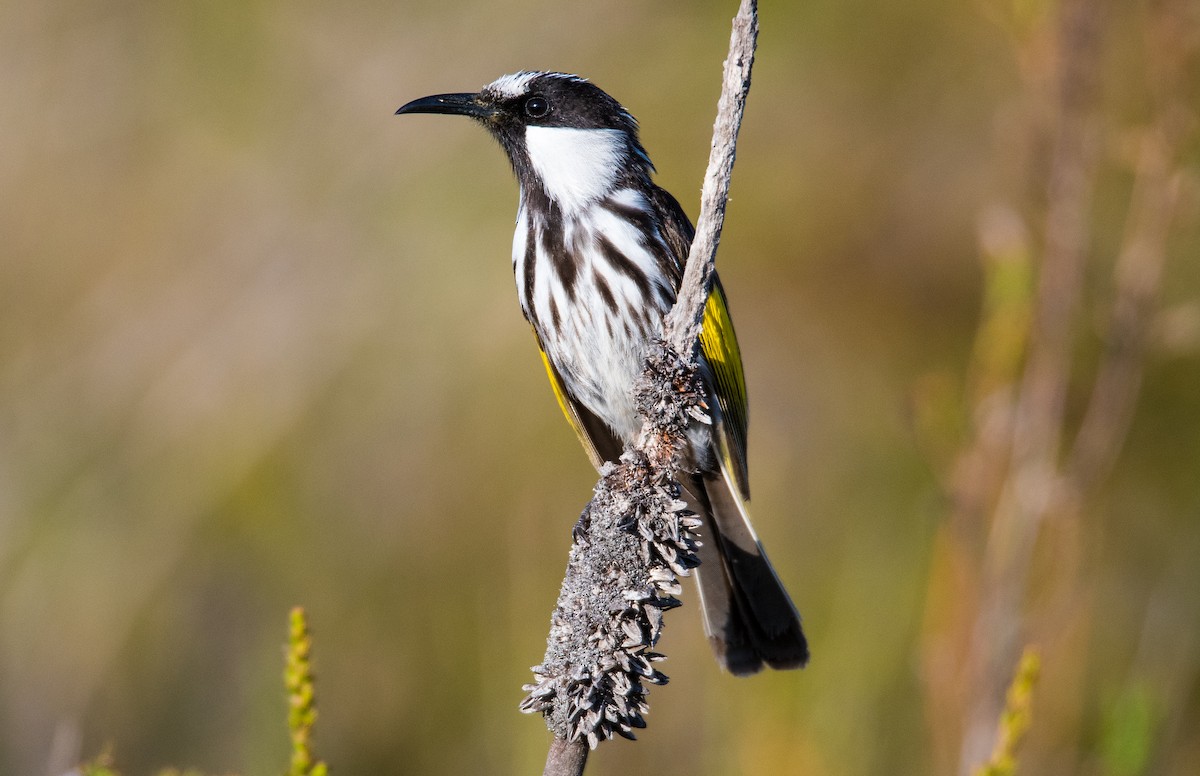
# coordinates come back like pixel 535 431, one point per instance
pixel 576 166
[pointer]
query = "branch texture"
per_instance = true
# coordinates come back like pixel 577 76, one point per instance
pixel 683 322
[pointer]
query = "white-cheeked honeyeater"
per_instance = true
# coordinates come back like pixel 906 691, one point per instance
pixel 598 255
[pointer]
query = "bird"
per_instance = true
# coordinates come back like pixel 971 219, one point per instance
pixel 598 255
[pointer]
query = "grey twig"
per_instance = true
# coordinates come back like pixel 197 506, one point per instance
pixel 565 757
pixel 683 322
pixel 635 537
pixel 1138 277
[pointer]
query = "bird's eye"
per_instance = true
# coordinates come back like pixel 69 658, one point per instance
pixel 536 107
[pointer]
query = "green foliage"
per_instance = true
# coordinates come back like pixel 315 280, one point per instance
pixel 1001 340
pixel 1128 732
pixel 302 704
pixel 1016 718
pixel 103 766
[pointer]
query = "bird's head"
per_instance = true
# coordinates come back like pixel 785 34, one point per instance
pixel 566 138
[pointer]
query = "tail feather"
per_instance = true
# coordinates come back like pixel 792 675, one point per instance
pixel 748 616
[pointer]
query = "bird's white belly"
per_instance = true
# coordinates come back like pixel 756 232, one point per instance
pixel 600 363
pixel 595 315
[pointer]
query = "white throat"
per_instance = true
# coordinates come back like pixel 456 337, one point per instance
pixel 576 166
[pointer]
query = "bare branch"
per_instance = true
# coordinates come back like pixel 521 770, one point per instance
pixel 565 757
pixel 683 322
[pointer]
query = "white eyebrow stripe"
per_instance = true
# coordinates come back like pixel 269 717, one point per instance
pixel 517 84
pixel 512 85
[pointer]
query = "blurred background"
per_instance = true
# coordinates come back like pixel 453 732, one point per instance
pixel 260 346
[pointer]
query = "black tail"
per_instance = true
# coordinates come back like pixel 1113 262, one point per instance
pixel 748 616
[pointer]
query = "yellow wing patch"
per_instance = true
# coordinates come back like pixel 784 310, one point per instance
pixel 718 342
pixel 569 411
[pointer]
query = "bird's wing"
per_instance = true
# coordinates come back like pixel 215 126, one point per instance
pixel 597 439
pixel 718 343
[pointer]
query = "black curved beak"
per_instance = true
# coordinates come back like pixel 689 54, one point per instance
pixel 454 104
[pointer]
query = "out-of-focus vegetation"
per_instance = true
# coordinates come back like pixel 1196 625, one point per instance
pixel 1016 719
pixel 259 344
pixel 302 699
pixel 301 717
